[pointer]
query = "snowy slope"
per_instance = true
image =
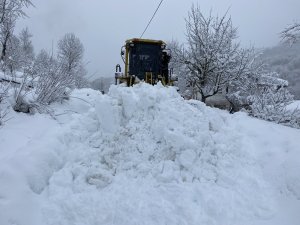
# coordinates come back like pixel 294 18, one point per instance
pixel 143 155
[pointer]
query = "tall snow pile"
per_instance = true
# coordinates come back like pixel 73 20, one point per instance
pixel 143 155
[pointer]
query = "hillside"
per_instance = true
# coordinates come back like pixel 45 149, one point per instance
pixel 143 155
pixel 285 60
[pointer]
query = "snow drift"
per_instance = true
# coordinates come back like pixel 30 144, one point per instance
pixel 143 155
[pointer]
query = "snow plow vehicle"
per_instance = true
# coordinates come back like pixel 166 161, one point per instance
pixel 145 60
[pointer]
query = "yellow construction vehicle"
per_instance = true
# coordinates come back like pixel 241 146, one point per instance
pixel 145 60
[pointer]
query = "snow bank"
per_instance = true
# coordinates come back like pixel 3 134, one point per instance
pixel 143 155
pixel 145 152
pixel 29 155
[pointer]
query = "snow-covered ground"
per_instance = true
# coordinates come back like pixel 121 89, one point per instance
pixel 143 155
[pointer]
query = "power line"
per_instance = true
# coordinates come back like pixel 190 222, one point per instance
pixel 152 18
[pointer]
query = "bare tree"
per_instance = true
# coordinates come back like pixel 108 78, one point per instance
pixel 211 55
pixel 291 34
pixel 70 55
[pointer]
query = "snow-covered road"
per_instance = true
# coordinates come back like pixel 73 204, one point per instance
pixel 143 155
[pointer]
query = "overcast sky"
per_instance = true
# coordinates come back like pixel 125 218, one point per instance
pixel 103 26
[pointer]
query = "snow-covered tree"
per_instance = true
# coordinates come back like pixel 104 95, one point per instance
pixel 52 83
pixel 180 69
pixel 70 56
pixel 264 95
pixel 19 53
pixel 291 34
pixel 13 55
pixel 10 11
pixel 6 33
pixel 13 7
pixel 211 55
pixel 237 90
pixel 26 48
pixel 41 62
pixel 272 104
pixel 70 51
pixel 80 78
